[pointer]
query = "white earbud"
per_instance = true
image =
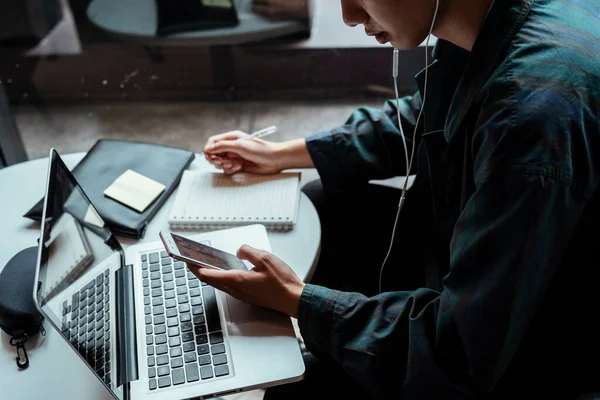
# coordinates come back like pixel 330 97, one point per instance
pixel 409 161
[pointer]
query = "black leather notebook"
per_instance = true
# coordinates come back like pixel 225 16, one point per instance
pixel 180 16
pixel 106 161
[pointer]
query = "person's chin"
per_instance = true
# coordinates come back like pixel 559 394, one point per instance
pixel 406 44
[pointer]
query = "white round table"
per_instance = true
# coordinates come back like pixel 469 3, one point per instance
pixel 51 374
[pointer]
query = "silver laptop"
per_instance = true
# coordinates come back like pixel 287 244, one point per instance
pixel 144 324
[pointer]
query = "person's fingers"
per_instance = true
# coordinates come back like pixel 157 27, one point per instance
pixel 255 256
pixel 239 147
pixel 217 277
pixel 234 169
pixel 233 135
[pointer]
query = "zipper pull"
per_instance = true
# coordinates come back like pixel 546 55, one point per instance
pixel 22 358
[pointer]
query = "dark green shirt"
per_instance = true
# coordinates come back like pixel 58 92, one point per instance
pixel 509 162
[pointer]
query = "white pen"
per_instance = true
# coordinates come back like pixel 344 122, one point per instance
pixel 261 133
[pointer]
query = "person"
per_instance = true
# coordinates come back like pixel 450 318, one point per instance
pixel 490 289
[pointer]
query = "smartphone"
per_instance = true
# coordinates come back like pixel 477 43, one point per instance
pixel 199 254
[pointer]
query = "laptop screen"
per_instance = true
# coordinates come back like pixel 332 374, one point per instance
pixel 78 257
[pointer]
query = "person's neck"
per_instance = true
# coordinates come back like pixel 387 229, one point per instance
pixel 459 21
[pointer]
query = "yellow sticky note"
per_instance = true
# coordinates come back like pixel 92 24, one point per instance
pixel 134 190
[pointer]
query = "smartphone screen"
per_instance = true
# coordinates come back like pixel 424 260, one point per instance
pixel 207 255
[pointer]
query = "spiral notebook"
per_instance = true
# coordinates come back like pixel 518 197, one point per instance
pixel 213 200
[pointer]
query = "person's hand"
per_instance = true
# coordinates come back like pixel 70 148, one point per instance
pixel 281 9
pixel 270 284
pixel 255 156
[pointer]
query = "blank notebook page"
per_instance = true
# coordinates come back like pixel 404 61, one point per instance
pixel 215 198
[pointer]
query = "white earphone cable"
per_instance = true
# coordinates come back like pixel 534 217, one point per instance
pixel 412 154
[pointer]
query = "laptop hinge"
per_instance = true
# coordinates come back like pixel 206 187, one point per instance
pixel 127 367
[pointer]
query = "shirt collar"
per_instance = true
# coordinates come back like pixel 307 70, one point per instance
pixel 503 21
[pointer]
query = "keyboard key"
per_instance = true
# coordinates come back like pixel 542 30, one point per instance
pixel 187 337
pixel 158 310
pixel 191 275
pixel 146 282
pixel 174 341
pixel 163 349
pixel 169 294
pixel 203 349
pixel 155 275
pixel 152 384
pixel 217 349
pixel 185 317
pixel 151 372
pixel 221 370
pixel 167 269
pixel 148 319
pixel 149 340
pixel 213 320
pixel 194 284
pixel 166 261
pixel 191 372
pixel 145 274
pixel 164 382
pixel 197 310
pixel 172 322
pixel 179 273
pixel 150 350
pixel 180 281
pixel 201 339
pixel 178 376
pixel 146 291
pixel 177 362
pixel 151 361
pixel 186 327
pixel 157 292
pixel 163 254
pixel 191 346
pixel 183 308
pixel 198 319
pixel 204 360
pixel 196 301
pixel 175 352
pixel 171 312
pixel 189 357
pixel 148 329
pixel 182 290
pixel 170 303
pixel 194 292
pixel 179 265
pixel 161 339
pixel 220 359
pixel 155 284
pixel 153 258
pixel 154 267
pixel 168 278
pixel 144 257
pixel 173 331
pixel 144 265
pixel 159 320
pixel 157 301
pixel 216 338
pixel 160 329
pixel 206 372
pixel 162 360
pixel 169 286
pixel 163 371
pixel 201 329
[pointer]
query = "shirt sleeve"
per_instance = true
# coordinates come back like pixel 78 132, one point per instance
pixel 368 146
pixel 430 344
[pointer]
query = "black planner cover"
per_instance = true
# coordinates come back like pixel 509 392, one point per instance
pixel 106 161
pixel 180 16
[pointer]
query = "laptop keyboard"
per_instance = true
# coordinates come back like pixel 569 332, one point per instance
pixel 86 323
pixel 184 340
